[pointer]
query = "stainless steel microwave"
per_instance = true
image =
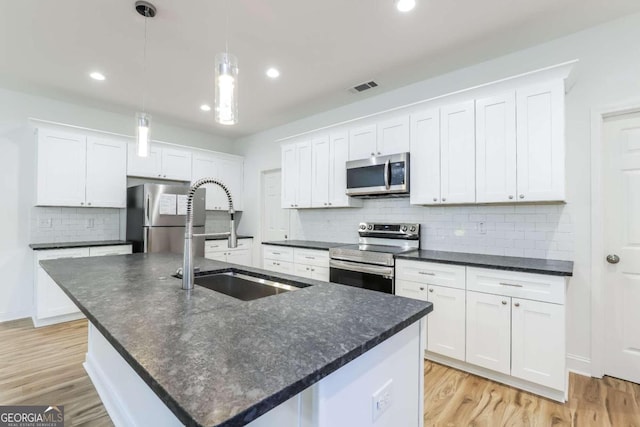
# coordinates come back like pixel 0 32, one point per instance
pixel 379 176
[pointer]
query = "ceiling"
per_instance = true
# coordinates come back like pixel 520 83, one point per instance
pixel 322 48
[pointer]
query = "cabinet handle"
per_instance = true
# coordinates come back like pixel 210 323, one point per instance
pixel 89 203
pixel 513 285
pixel 307 268
pixel 517 304
pixel 373 154
pixel 379 153
pixel 435 199
pixel 310 257
pixel 522 196
pixel 164 176
pixel 504 303
pixel 426 273
pixel 159 175
pixel 430 289
pixel 511 197
pixel 329 203
pixel 313 269
pixel 275 253
pixel 325 204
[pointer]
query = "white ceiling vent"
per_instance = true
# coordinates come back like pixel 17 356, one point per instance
pixel 363 86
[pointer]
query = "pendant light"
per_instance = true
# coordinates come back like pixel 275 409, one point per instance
pixel 143 120
pixel 226 82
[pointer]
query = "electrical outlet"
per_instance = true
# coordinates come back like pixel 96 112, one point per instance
pixel 90 223
pixel 382 400
pixel 45 223
pixel 482 229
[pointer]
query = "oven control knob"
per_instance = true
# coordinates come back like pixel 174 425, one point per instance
pixel 363 227
pixel 370 227
pixel 404 228
pixel 413 229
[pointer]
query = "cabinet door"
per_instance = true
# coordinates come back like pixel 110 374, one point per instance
pixel 538 337
pixel 540 124
pixel 241 256
pixel 362 142
pixel 303 271
pixel 110 250
pixel 176 164
pixel 457 153
pixel 106 173
pixel 496 149
pixel 205 166
pixel 425 157
pixel 303 160
pixel 489 331
pixel 289 176
pixel 61 168
pixel 446 326
pixel 231 174
pixel 393 136
pixel 148 167
pixel 338 156
pixel 320 149
pixel 216 256
pixel 320 273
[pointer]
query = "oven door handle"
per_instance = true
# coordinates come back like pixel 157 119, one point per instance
pixel 386 272
pixel 387 182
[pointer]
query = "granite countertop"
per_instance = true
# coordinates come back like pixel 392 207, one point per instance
pixel 306 244
pixel 528 265
pixel 240 236
pixel 218 361
pixel 68 245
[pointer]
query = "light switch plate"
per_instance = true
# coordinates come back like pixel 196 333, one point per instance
pixel 44 223
pixel 382 400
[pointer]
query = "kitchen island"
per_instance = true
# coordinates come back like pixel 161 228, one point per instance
pixel 323 355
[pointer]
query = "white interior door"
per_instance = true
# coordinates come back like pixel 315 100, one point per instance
pixel 622 240
pixel 275 224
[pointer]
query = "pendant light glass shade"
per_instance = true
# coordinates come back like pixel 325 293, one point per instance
pixel 226 89
pixel 143 129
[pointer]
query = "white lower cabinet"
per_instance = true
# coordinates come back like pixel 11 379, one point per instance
pixel 308 263
pixel 51 304
pixel 503 325
pixel 218 250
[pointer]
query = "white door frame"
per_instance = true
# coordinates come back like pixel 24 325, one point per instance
pixel 598 315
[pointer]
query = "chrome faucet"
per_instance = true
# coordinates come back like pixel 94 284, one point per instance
pixel 187 262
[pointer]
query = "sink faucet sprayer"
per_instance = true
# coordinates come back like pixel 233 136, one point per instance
pixel 187 263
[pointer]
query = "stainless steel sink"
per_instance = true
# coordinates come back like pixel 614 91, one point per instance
pixel 242 286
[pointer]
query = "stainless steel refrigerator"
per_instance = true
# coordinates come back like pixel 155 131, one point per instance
pixel 156 218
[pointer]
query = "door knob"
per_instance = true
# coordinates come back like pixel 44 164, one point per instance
pixel 613 259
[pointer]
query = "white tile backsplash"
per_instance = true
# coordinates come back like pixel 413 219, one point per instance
pixel 534 231
pixel 58 224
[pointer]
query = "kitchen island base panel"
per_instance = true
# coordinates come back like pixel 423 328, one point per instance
pixel 558 395
pixel 343 398
pixel 48 321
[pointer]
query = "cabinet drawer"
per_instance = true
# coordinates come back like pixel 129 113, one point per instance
pixel 62 253
pixel 431 273
pixel 279 266
pixel 245 243
pixel 411 290
pixel 278 253
pixel 217 245
pixel 110 250
pixel 311 257
pixel 538 287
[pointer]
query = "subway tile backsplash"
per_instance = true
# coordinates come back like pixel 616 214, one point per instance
pixel 533 231
pixel 59 224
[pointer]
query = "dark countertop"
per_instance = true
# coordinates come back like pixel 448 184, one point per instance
pixel 306 244
pixel 225 238
pixel 68 245
pixel 528 265
pixel 218 361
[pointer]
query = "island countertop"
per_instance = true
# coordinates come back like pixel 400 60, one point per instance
pixel 218 361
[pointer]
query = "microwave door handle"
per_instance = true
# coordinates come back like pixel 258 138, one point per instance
pixel 387 165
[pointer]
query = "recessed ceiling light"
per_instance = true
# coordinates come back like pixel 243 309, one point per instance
pixel 97 76
pixel 205 107
pixel 273 73
pixel 405 5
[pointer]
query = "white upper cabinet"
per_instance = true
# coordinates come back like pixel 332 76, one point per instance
pixel 296 175
pixel 457 153
pixel 496 148
pixel 228 171
pixel 393 136
pixel 338 157
pixel 362 142
pixel 425 157
pixel 162 162
pixel 320 161
pixel 106 172
pixel 76 170
pixel 62 168
pixel 541 153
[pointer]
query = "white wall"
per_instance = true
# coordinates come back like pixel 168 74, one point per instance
pixel 17 179
pixel 607 73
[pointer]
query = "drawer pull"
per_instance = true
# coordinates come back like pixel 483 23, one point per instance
pixel 504 303
pixel 517 304
pixel 430 289
pixel 426 273
pixel 276 253
pixel 310 257
pixel 514 285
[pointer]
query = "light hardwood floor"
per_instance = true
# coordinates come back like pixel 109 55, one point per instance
pixel 44 366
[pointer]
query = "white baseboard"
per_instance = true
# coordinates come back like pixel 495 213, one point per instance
pixel 56 319
pixel 7 317
pixel 579 365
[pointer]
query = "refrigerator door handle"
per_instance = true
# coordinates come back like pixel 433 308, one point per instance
pixel 145 239
pixel 146 211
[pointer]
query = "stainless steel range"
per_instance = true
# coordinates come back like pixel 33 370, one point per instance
pixel 371 263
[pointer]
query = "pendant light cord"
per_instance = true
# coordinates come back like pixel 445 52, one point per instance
pixel 226 28
pixel 144 62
